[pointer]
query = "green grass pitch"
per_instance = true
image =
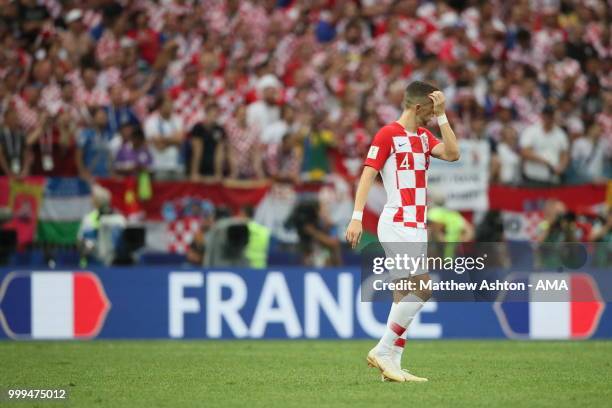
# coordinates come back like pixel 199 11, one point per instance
pixel 309 373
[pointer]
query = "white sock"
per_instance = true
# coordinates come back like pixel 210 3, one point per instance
pixel 400 316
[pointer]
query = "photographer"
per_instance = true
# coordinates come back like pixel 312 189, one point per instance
pixel 318 244
pixel 100 230
pixel 556 250
pixel 601 236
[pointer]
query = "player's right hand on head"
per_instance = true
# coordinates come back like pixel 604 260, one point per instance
pixel 353 233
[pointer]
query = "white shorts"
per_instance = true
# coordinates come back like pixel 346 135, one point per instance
pixel 397 239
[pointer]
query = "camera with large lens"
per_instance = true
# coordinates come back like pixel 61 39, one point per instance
pixel 304 213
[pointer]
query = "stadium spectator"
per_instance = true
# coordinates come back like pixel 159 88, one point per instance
pixel 139 91
pixel 187 97
pixel 89 92
pixel 274 132
pixel 93 154
pixel 245 159
pixel 70 112
pixel 590 153
pixel 15 146
pixel 391 110
pixel 507 163
pixel 602 230
pixel 32 19
pixel 197 247
pixel 317 141
pixel 133 157
pixel 354 144
pixel 284 161
pixel 54 147
pixel 504 116
pixel 76 40
pixel 601 234
pixel 604 119
pixel 147 39
pixel 329 59
pixel 318 242
pixel 165 134
pixel 26 106
pixel 108 47
pixel 552 211
pixel 545 150
pixel 338 69
pixel 265 111
pixel 118 112
pixel 208 147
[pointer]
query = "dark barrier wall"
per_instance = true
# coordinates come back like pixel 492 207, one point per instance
pixel 286 303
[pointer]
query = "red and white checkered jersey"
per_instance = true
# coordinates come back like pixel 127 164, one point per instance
pixel 27 114
pixel 188 104
pixel 107 46
pixel 403 159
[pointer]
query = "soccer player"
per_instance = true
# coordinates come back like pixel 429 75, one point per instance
pixel 400 151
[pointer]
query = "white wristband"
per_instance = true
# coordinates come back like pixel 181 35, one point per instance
pixel 442 119
pixel 357 215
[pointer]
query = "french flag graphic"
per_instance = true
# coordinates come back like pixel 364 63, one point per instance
pixel 571 313
pixel 52 305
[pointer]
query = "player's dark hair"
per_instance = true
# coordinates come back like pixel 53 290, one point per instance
pixel 417 93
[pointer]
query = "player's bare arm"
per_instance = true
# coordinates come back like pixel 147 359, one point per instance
pixel 355 229
pixel 448 150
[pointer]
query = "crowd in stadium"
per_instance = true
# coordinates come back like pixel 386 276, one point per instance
pixel 248 90
pixel 292 91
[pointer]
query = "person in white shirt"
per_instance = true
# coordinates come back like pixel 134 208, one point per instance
pixel 544 148
pixel 509 160
pixel 164 132
pixel 589 155
pixel 265 111
pixel 273 134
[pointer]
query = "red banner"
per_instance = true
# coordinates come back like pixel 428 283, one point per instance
pixel 125 197
pixel 24 198
pixel 579 199
pixel 528 202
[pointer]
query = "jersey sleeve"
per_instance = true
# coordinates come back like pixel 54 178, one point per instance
pixel 380 150
pixel 432 141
